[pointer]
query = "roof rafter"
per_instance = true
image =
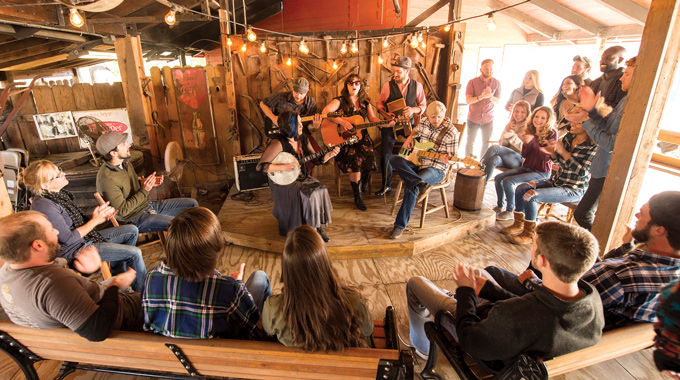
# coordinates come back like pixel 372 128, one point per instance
pixel 580 21
pixel 632 10
pixel 606 32
pixel 545 30
pixel 428 12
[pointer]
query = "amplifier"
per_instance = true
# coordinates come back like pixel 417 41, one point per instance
pixel 246 174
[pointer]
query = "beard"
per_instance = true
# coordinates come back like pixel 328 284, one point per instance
pixel 642 236
pixel 607 68
pixel 54 249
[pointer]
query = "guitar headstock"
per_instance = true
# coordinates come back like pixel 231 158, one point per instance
pixel 470 162
pixel 402 120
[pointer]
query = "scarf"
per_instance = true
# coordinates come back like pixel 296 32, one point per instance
pixel 64 199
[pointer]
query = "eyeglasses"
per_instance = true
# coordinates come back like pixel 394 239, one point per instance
pixel 61 174
pixel 355 83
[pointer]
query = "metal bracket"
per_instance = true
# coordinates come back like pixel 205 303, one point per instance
pixel 390 370
pixel 183 360
pixel 20 354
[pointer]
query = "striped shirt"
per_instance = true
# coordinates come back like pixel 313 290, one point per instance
pixel 575 172
pixel 629 286
pixel 449 144
pixel 215 307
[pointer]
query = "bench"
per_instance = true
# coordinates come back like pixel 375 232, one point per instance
pixel 614 344
pixel 146 354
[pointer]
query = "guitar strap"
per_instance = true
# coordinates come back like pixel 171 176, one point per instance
pixel 440 137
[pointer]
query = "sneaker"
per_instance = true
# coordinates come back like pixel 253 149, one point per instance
pixel 498 210
pixel 396 233
pixel 505 215
pixel 421 355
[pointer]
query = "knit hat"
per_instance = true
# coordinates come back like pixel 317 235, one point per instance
pixel 583 59
pixel 436 108
pixel 301 85
pixel 109 141
pixel 403 62
pixel 664 209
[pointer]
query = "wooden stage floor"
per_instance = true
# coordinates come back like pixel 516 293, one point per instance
pixel 353 233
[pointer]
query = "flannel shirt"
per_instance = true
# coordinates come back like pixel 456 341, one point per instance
pixel 449 144
pixel 629 286
pixel 216 307
pixel 574 173
pixel 282 101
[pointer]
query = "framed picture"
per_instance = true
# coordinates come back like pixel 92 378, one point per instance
pixel 57 125
pixel 113 120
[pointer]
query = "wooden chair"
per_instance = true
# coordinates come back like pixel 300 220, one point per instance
pixel 549 212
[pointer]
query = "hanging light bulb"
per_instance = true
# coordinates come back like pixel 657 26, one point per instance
pixel 447 27
pixel 343 49
pixel 303 48
pixel 414 41
pixel 289 61
pixel 76 18
pixel 491 25
pixel 354 47
pixel 229 43
pixel 386 43
pixel 171 17
pixel 335 64
pixel 251 36
pixel 263 47
pixel 380 60
pixel 423 44
pixel 244 47
pixel 420 37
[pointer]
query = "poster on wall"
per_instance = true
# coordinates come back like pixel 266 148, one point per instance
pixel 112 120
pixel 57 125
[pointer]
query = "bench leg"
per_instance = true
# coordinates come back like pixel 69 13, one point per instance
pixel 21 355
pixel 66 369
pixel 428 370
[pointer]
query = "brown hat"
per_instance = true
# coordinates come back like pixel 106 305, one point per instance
pixel 436 108
pixel 109 141
pixel 301 85
pixel 403 62
pixel 583 59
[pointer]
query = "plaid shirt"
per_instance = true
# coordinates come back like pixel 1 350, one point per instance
pixel 574 172
pixel 449 144
pixel 629 286
pixel 216 307
pixel 282 101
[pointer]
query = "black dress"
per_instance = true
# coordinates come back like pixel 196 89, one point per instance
pixel 358 157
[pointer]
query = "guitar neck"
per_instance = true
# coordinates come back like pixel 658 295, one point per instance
pixel 323 116
pixel 434 155
pixel 320 153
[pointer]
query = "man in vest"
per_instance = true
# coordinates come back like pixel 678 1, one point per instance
pixel 401 86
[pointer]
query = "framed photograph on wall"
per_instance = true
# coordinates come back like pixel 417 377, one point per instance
pixel 112 120
pixel 57 125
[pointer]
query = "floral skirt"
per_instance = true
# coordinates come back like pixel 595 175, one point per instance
pixel 357 157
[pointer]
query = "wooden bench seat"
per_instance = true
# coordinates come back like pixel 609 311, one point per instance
pixel 614 344
pixel 147 354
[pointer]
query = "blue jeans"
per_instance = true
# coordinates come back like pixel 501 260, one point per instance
pixel 546 193
pixel 501 156
pixel 158 214
pixel 425 299
pixel 472 129
pixel 120 250
pixel 259 288
pixel 411 176
pixel 506 183
pixel 386 146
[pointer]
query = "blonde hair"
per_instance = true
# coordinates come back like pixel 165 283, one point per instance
pixel 36 174
pixel 534 77
pixel 548 129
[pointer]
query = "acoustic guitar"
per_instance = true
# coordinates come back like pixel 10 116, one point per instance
pixel 333 134
pixel 271 130
pixel 286 177
pixel 420 150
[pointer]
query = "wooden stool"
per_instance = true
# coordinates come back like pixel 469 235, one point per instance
pixel 441 186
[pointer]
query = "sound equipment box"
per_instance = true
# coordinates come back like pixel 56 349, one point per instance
pixel 246 174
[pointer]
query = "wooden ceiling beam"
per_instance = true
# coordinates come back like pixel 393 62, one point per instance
pixel 545 30
pixel 428 12
pixel 580 21
pixel 34 63
pixel 18 52
pixel 630 9
pixel 607 32
pixel 144 19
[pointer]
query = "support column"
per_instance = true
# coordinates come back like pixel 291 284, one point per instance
pixel 455 42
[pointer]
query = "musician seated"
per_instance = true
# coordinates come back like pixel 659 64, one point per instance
pixel 296 100
pixel 418 179
pixel 305 200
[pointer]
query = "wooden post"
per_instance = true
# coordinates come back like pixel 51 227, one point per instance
pixel 228 84
pixel 656 64
pixel 455 41
pixel 131 64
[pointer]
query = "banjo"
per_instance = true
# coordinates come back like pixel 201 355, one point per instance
pixel 286 177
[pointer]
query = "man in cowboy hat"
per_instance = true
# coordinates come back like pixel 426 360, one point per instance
pixel 400 87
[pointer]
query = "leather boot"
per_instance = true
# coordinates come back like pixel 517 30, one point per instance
pixel 365 180
pixel 358 201
pixel 517 227
pixel 527 235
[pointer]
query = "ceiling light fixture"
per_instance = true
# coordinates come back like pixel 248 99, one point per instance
pixel 447 27
pixel 303 48
pixel 386 43
pixel 343 49
pixel 76 18
pixel 251 35
pixel 380 60
pixel 354 47
pixel 171 17
pixel 263 47
pixel 491 24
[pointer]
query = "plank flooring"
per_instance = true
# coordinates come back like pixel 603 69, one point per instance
pixel 382 281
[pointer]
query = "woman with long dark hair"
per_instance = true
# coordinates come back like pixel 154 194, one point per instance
pixel 566 101
pixel 316 312
pixel 305 201
pixel 357 159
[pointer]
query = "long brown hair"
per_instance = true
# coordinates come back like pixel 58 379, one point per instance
pixel 547 131
pixel 362 96
pixel 315 303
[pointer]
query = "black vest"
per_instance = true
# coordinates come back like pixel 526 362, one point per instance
pixel 411 93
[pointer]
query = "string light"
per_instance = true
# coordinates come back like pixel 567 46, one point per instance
pixel 380 60
pixel 491 25
pixel 229 43
pixel 343 49
pixel 244 47
pixel 447 27
pixel 420 37
pixel 423 44
pixel 354 47
pixel 386 43
pixel 76 18
pixel 251 35
pixel 335 64
pixel 303 48
pixel 414 42
pixel 289 61
pixel 171 17
pixel 263 47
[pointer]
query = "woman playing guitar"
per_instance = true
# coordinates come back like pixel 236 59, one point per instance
pixel 358 159
pixel 306 200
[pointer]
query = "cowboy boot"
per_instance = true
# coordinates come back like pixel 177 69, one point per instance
pixel 517 227
pixel 527 235
pixel 365 180
pixel 358 201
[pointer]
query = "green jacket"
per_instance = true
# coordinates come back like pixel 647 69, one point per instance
pixel 123 190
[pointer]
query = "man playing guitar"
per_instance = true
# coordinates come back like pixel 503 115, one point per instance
pixel 412 94
pixel 296 100
pixel 418 180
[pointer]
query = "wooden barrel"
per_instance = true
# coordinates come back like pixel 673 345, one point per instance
pixel 468 192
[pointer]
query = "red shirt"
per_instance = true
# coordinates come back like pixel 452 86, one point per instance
pixel 481 112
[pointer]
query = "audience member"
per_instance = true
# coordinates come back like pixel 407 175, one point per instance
pixel 508 153
pixel 629 286
pixel 118 184
pixel 39 291
pixel 667 327
pixel 530 92
pixel 609 84
pixel 316 312
pixel 581 67
pixel 566 101
pixel 481 94
pixel 186 297
pixel 561 315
